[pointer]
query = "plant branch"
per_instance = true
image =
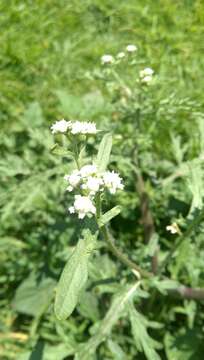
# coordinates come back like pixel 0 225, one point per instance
pixel 181 291
pixel 125 260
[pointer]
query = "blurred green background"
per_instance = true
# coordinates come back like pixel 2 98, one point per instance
pixel 48 52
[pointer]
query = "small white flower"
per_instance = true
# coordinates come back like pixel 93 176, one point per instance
pixel 82 206
pixel 79 127
pixel 107 59
pixel 120 55
pixel 147 79
pixel 112 181
pixel 69 188
pixel 146 72
pixel 93 184
pixel 88 170
pixel 131 48
pixel 173 228
pixel 60 126
pixel 71 209
pixel 73 179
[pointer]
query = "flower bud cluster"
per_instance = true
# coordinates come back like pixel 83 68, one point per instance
pixel 88 181
pixel 74 128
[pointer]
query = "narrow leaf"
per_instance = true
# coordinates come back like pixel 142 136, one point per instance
pixel 105 218
pixel 104 152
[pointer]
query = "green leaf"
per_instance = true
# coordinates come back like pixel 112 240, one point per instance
pixel 32 298
pixel 47 352
pixel 88 306
pixel 59 150
pixel 71 105
pixel 104 152
pixel 143 341
pixel 116 350
pixel 185 345
pixel 74 276
pixel 164 285
pixel 105 218
pixel 118 305
pixel 195 184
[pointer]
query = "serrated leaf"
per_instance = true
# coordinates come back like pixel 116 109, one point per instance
pixel 74 277
pixel 104 152
pixel 105 218
pixel 118 305
pixel 143 341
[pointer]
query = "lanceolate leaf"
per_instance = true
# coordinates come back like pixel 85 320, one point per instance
pixel 74 277
pixel 104 152
pixel 118 305
pixel 105 218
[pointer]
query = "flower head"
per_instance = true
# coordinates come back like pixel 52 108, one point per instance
pixel 73 179
pixel 131 48
pixel 146 72
pixel 112 181
pixel 92 184
pixel 82 206
pixel 146 75
pixel 60 126
pixel 146 79
pixel 83 127
pixel 120 55
pixel 88 170
pixel 107 59
pixel 173 228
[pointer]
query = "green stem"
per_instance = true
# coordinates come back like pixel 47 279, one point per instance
pixel 121 256
pixel 76 153
pixel 98 206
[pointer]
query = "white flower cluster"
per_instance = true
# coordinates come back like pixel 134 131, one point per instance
pixel 173 228
pixel 146 75
pixel 77 127
pixel 109 59
pixel 131 48
pixel 82 206
pixel 89 181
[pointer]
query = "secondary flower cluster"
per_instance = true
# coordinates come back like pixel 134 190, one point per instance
pixel 146 75
pixel 89 181
pixel 109 59
pixel 77 127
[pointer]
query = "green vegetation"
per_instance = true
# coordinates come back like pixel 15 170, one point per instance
pixel 50 68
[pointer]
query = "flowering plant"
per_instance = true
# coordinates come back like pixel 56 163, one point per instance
pixel 89 184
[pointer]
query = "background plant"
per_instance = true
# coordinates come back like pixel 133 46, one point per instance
pixel 47 62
